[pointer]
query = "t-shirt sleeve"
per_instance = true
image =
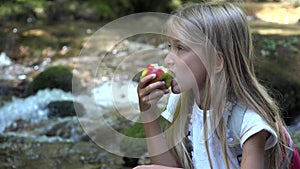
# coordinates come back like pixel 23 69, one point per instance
pixel 252 124
pixel 168 114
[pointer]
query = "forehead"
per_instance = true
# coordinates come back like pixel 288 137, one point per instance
pixel 176 38
pixel 177 34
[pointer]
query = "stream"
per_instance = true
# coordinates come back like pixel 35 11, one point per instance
pixel 30 139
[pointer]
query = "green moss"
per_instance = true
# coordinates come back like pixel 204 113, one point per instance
pixel 133 147
pixel 59 77
pixel 136 131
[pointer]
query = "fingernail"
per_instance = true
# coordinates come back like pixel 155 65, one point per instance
pixel 153 75
pixel 166 91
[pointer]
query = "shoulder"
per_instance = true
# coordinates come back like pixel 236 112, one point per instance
pixel 253 124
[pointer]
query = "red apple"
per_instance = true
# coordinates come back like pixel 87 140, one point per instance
pixel 162 74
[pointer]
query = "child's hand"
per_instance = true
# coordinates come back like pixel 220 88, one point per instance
pixel 149 93
pixel 154 167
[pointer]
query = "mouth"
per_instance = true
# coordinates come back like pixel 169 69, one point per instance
pixel 174 82
pixel 172 73
pixel 173 76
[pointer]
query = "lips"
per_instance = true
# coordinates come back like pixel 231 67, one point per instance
pixel 174 77
pixel 174 87
pixel 174 84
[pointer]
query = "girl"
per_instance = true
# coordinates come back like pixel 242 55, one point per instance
pixel 211 57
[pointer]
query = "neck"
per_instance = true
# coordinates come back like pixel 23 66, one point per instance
pixel 198 94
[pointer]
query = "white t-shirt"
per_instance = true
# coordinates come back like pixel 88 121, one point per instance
pixel 252 123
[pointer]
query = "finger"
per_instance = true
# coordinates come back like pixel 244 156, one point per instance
pixel 151 87
pixel 154 96
pixel 146 80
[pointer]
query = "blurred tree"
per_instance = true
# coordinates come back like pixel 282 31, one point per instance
pixel 57 10
pixel 20 10
pixel 150 6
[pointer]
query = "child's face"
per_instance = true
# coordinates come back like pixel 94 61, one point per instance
pixel 187 67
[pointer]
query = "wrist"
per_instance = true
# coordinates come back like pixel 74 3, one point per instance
pixel 149 116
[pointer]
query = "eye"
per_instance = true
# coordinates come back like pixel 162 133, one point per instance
pixel 176 46
pixel 180 47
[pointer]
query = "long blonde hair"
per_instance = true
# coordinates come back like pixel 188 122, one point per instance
pixel 221 29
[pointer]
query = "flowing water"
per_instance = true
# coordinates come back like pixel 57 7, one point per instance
pixel 30 139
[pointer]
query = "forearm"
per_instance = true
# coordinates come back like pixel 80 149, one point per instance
pixel 149 94
pixel 157 146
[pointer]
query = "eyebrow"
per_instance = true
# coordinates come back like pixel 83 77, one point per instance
pixel 174 40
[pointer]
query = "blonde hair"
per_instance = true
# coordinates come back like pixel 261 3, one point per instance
pixel 220 29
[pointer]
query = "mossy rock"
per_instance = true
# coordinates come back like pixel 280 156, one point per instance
pixel 65 108
pixel 136 131
pixel 59 77
pixel 130 162
pixel 132 147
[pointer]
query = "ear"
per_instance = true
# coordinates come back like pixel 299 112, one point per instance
pixel 220 63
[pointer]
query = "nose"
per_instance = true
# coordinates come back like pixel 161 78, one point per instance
pixel 169 61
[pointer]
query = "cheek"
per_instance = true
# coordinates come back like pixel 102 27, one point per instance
pixel 184 73
pixel 200 74
pixel 197 74
pixel 186 79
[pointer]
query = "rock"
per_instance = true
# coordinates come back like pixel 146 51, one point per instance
pixel 130 162
pixel 67 128
pixel 27 153
pixel 59 77
pixel 65 109
pixel 13 89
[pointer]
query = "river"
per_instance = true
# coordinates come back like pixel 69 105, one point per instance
pixel 30 139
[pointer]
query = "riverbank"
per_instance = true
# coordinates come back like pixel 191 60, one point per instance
pixel 28 139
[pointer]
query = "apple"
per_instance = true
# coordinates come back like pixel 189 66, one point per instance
pixel 162 74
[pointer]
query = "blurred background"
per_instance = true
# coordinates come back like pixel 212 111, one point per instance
pixel 40 59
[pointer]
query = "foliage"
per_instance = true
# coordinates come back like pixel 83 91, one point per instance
pixel 296 3
pixel 273 44
pixel 295 135
pixel 277 66
pixel 50 11
pixel 137 131
pixel 20 9
pixel 132 146
pixel 59 77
